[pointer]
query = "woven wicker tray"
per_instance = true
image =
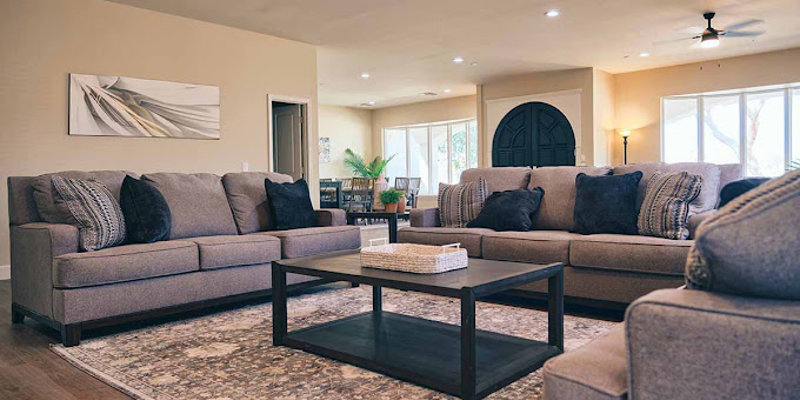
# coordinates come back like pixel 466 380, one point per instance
pixel 414 258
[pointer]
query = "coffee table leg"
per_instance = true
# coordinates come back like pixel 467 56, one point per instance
pixel 279 328
pixel 377 300
pixel 555 310
pixel 468 345
pixel 392 228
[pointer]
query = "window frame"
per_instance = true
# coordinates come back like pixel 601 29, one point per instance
pixel 787 91
pixel 429 128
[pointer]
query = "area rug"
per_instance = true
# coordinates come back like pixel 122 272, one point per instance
pixel 229 355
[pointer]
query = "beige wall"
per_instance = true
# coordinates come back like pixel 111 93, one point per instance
pixel 539 83
pixel 41 41
pixel 638 94
pixel 419 113
pixel 603 119
pixel 347 127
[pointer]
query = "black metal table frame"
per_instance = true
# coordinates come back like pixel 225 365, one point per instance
pixel 467 295
pixel 391 219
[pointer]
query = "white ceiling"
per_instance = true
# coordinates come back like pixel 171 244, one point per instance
pixel 407 45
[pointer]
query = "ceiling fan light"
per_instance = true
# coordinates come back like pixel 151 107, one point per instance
pixel 708 42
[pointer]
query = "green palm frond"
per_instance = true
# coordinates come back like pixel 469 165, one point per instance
pixel 360 168
pixel 356 163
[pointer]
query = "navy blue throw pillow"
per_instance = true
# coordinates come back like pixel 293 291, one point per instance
pixel 511 210
pixel 290 205
pixel 147 215
pixel 738 188
pixel 606 204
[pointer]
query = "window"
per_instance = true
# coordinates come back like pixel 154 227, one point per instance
pixel 758 128
pixel 435 153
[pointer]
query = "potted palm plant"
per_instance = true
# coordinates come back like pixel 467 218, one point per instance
pixel 374 170
pixel 390 198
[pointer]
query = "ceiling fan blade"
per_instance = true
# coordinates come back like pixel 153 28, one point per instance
pixel 743 24
pixel 743 34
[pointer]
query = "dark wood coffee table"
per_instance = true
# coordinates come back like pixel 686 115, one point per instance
pixel 458 360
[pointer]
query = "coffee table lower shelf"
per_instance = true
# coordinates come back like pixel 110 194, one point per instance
pixel 421 351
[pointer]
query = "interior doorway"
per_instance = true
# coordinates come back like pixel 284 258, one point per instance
pixel 288 137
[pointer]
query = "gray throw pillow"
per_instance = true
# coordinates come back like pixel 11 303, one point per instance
pixel 751 247
pixel 665 208
pixel 460 204
pixel 98 216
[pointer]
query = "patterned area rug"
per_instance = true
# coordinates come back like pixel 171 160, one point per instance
pixel 229 355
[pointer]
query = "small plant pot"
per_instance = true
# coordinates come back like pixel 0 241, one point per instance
pixel 391 207
pixel 401 205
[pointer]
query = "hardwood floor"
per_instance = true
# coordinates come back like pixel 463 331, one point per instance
pixel 29 370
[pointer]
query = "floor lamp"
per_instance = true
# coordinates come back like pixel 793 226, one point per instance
pixel 625 135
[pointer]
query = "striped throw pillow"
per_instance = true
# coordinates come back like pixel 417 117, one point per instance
pixel 99 217
pixel 460 204
pixel 665 209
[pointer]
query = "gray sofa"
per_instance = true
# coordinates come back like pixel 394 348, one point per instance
pixel 732 333
pixel 220 250
pixel 606 270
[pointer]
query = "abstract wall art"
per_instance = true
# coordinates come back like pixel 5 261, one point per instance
pixel 103 105
pixel 325 149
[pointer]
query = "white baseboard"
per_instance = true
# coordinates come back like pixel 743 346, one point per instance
pixel 5 272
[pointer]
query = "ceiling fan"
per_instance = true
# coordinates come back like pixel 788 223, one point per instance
pixel 709 37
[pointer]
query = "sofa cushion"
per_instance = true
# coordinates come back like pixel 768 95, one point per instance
pixel 125 263
pixel 55 212
pixel 630 253
pixel 510 210
pixel 470 238
pixel 606 204
pixel 539 247
pixel 710 173
pixel 147 215
pixel 558 204
pixel 310 241
pixel 197 203
pixel 499 179
pixel 97 215
pixel 235 250
pixel 460 204
pixel 596 371
pixel 290 204
pixel 248 199
pixel 750 246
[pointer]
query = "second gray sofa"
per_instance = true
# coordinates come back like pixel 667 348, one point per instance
pixel 220 250
pixel 605 270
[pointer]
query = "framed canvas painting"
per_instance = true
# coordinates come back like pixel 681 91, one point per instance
pixel 104 105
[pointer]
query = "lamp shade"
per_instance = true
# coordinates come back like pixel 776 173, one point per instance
pixel 625 133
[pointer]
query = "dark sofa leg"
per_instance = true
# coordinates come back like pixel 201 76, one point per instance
pixel 17 316
pixel 71 335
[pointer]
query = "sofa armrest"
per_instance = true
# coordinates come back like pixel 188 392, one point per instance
pixel 331 217
pixel 33 248
pixel 424 217
pixel 694 344
pixel 696 219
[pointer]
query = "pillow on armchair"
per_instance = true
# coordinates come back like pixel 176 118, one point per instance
pixel 750 246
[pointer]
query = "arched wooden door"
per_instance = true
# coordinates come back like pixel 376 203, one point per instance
pixel 533 134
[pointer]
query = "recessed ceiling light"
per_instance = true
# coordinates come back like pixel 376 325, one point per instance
pixel 365 75
pixel 447 90
pixel 367 104
pixel 458 59
pixel 644 54
pixel 474 63
pixel 552 13
pixel 427 94
pixel 371 102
